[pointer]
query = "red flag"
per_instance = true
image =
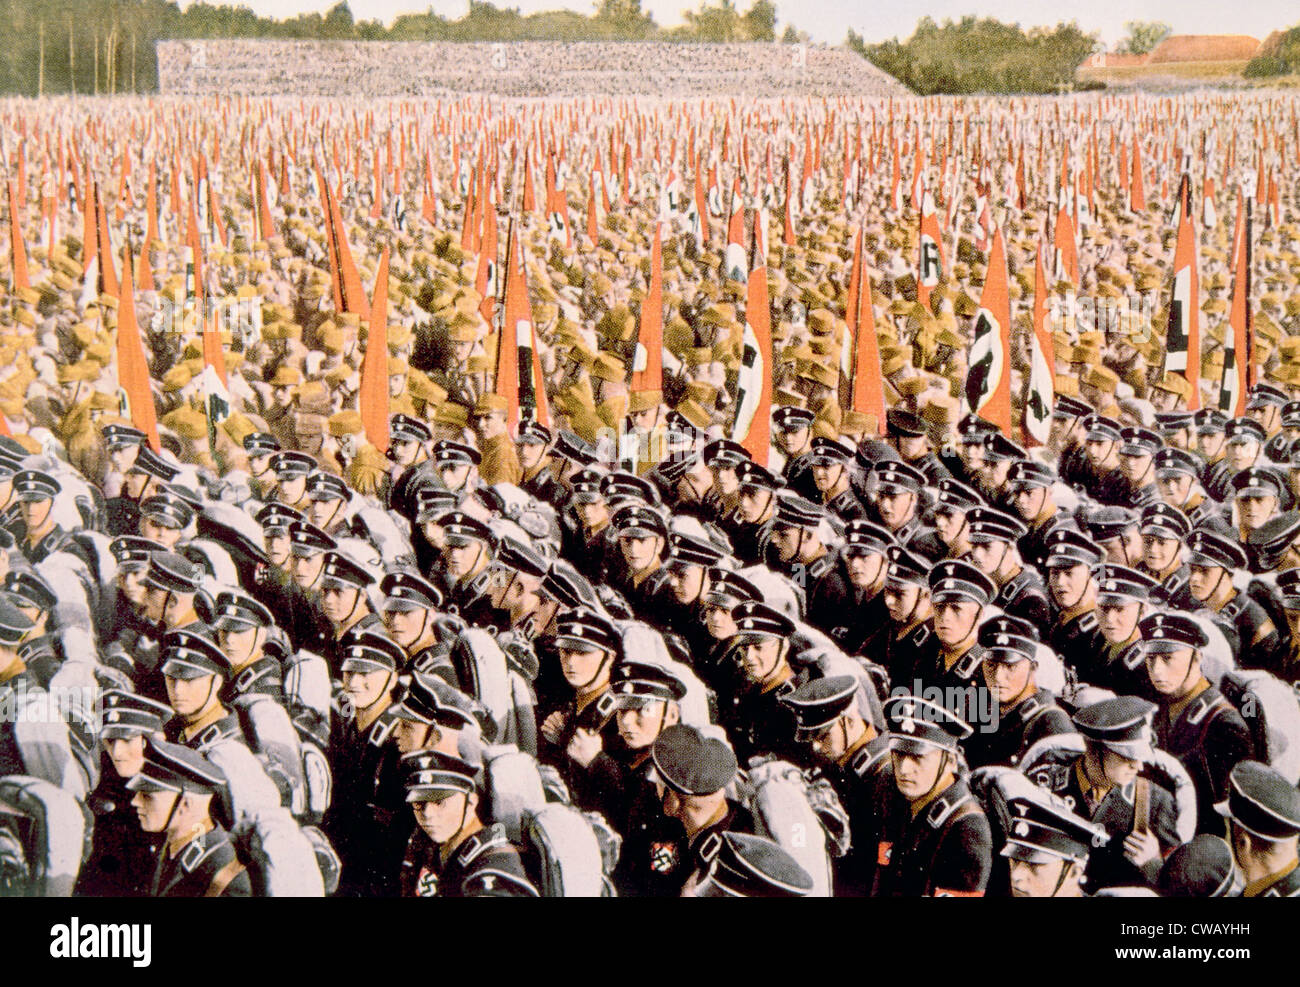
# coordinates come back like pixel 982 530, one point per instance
pixel 372 396
pixel 214 215
pixel 733 262
pixel 519 369
pixel 485 277
pixel 1209 217
pixel 1067 253
pixel 107 274
pixel 896 195
pixel 17 248
pixel 789 207
pixel 918 176
pixel 1238 367
pixel 213 356
pixel 89 223
pixel 988 379
pixel 331 247
pixel 701 202
pixel 265 225
pixel 471 220
pixel 753 424
pixel 557 205
pixel 1040 393
pixel 648 364
pixel 1137 196
pixel 866 389
pixel 806 181
pixel 593 231
pixel 132 368
pixel 1020 178
pixel 1183 335
pixel 377 185
pixel 354 298
pixel 144 272
pixel 530 196
pixel 930 262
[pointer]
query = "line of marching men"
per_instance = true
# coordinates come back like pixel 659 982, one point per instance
pixel 876 670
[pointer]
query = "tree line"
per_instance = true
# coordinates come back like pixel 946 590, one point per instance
pixel 981 55
pixel 95 47
pixel 1281 57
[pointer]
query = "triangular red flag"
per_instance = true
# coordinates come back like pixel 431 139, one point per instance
pixel 132 367
pixel 372 396
pixel 648 364
pixel 1183 333
pixel 753 425
pixel 988 379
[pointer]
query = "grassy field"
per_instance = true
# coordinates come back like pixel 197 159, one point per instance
pixel 1164 72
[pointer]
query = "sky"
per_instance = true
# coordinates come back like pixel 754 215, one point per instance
pixel 829 20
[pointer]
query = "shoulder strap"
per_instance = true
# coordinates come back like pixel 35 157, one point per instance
pixel 1204 715
pixel 1037 710
pixel 222 878
pixel 967 806
pixel 1234 607
pixel 1142 805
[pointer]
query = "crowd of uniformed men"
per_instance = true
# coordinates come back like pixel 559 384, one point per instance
pixel 975 669
pixel 842 614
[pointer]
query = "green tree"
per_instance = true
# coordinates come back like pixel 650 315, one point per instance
pixel 1280 59
pixel 338 23
pixel 980 55
pixel 716 24
pixel 623 19
pixel 1142 36
pixel 759 24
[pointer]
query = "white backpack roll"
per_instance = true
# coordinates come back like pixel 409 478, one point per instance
pixel 307 684
pixel 1271 709
pixel 59 831
pixel 512 788
pixel 281 860
pixel 45 746
pixel 248 789
pixel 484 674
pixel 643 643
pixel 272 737
pixel 567 852
pixel 776 795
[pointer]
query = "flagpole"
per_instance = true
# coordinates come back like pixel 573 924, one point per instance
pixel 1250 318
pixel 500 314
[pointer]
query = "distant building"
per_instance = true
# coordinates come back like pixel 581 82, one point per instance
pixel 1204 48
pixel 1181 48
pixel 1112 60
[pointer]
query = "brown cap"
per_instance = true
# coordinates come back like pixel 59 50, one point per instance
pixel 173 380
pixel 1066 387
pixel 1175 384
pixel 1102 378
pixel 859 422
pixel 609 367
pixel 644 400
pixel 821 321
pixel 187 423
pixel 345 422
pixel 451 413
pixel 489 404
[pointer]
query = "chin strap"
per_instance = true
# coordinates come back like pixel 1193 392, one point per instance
pixel 162 848
pixel 1060 880
pixel 599 668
